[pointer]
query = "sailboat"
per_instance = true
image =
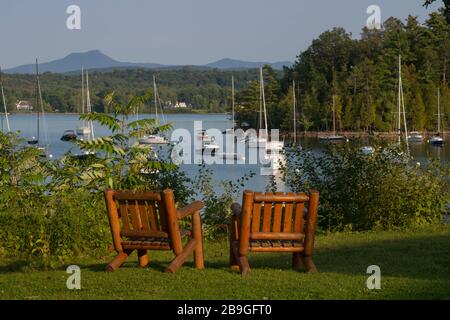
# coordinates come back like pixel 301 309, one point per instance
pixel 35 141
pixel 333 137
pixel 294 143
pixel 155 138
pixel 84 130
pixel 437 140
pixel 401 107
pixel 5 109
pixel 88 129
pixel 273 156
pixel 232 155
pixel 260 140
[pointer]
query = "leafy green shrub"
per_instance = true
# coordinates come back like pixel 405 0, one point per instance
pixel 366 192
pixel 218 198
pixel 61 226
pixel 51 211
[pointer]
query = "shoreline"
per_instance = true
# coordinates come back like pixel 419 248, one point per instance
pixel 355 134
pixel 283 134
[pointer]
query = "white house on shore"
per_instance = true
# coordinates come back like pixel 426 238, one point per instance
pixel 180 105
pixel 24 106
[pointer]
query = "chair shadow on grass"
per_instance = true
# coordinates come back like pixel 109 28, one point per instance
pixel 426 257
pixel 423 258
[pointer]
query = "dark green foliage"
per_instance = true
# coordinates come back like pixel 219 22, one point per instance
pixel 361 192
pixel 208 90
pixel 43 214
pixel 363 75
pixel 446 7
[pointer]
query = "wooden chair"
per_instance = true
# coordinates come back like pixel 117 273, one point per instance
pixel 274 223
pixel 150 221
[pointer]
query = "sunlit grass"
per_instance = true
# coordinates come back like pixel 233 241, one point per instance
pixel 415 264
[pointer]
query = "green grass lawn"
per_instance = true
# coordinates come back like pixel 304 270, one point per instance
pixel 414 264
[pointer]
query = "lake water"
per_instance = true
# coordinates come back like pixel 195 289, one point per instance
pixel 53 126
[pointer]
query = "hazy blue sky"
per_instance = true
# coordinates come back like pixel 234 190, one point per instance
pixel 181 31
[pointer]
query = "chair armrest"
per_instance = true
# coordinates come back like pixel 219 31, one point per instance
pixel 190 209
pixel 236 209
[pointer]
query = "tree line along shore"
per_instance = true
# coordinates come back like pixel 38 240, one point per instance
pixel 360 75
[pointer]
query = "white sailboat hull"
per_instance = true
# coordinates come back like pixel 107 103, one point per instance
pixel 84 131
pixel 153 139
pixel 437 141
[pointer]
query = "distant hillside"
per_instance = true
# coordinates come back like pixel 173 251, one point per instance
pixel 96 60
pixel 90 60
pixel 239 64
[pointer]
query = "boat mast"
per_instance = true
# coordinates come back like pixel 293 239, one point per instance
pixel 4 104
pixel 334 115
pixel 399 128
pixel 232 101
pixel 88 104
pixel 401 104
pixel 38 93
pixel 82 89
pixel 295 121
pixel 259 126
pixel 264 102
pixel 439 111
pixel 156 99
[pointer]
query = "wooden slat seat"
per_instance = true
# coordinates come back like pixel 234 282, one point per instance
pixel 274 222
pixel 150 221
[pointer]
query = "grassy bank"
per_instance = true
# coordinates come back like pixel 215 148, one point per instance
pixel 415 264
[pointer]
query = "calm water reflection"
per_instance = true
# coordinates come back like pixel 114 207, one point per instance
pixel 53 125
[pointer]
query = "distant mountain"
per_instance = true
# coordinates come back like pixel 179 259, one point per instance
pixel 239 64
pixel 73 62
pixel 96 60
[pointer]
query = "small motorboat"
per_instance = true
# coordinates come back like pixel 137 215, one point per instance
pixel 84 131
pixel 415 137
pixel 153 139
pixel 257 142
pixel 436 141
pixel 33 141
pixel 69 135
pixel 275 145
pixel 274 161
pixel 210 147
pixel 203 136
pixel 367 150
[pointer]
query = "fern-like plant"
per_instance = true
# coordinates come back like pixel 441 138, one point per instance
pixel 121 162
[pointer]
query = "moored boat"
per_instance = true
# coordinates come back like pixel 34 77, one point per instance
pixel 69 135
pixel 415 137
pixel 438 140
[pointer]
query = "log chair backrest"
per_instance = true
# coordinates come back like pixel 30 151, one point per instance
pixel 272 216
pixel 137 214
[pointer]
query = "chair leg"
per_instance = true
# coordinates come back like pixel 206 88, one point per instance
pixel 241 261
pixel 197 235
pixel 244 266
pixel 297 260
pixel 309 264
pixel 143 258
pixel 181 258
pixel 234 261
pixel 118 261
